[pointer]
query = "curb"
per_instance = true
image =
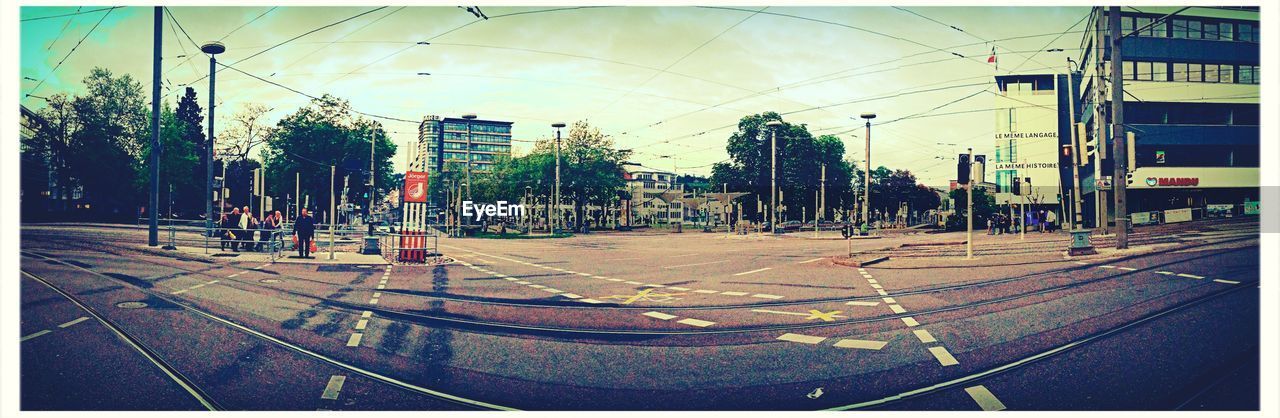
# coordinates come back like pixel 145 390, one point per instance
pixel 848 262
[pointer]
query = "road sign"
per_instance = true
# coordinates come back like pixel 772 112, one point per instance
pixel 415 187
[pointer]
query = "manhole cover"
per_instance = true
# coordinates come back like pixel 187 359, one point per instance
pixel 270 280
pixel 131 305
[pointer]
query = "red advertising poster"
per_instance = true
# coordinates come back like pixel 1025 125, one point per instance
pixel 415 187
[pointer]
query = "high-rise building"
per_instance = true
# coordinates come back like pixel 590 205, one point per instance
pixel 1191 100
pixel 446 141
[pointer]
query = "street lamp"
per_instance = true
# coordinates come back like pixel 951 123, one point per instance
pixel 556 215
pixel 773 175
pixel 213 49
pixel 866 180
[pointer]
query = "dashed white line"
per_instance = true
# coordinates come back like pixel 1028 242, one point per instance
pixel 659 315
pixel 73 322
pixel 1190 276
pixel 944 357
pixel 1226 281
pixel 890 300
pixel 766 296
pixel 752 271
pixel 862 303
pixel 1128 268
pixel 571 296
pixel 681 289
pixel 925 336
pixel 861 344
pixel 897 309
pixel 34 334
pixel 1107 267
pixel 809 261
pixel 1167 273
pixel 696 322
pixel 362 324
pixel 332 389
pixel 985 399
pixel 911 322
pixel 800 338
pixel 734 293
pixel 705 291
pixel 354 341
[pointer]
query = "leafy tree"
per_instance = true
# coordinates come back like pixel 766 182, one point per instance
pixel 322 134
pixel 800 157
pixel 105 152
pixel 984 205
pixel 192 123
pixel 590 167
pixel 177 156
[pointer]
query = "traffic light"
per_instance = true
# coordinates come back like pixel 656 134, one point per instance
pixel 1026 186
pixel 1016 187
pixel 962 169
pixel 979 169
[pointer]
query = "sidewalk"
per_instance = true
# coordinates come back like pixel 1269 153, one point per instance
pixel 321 257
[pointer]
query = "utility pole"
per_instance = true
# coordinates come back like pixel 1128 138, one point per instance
pixel 555 216
pixel 372 191
pixel 866 180
pixel 333 217
pixel 297 194
pixel 1100 146
pixel 773 176
pixel 1118 143
pixel 822 204
pixel 1077 159
pixel 968 190
pixel 153 233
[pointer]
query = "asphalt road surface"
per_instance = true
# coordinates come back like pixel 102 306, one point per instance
pixel 646 321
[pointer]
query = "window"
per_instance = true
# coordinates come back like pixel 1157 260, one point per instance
pixel 1160 71
pixel 1195 72
pixel 1225 73
pixel 1179 71
pixel 1226 31
pixel 1142 23
pixel 1211 73
pixel 1180 28
pixel 1248 74
pixel 1126 68
pixel 1248 32
pixel 1126 24
pixel 1144 70
pixel 1211 31
pixel 1194 30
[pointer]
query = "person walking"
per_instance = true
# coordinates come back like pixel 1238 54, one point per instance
pixel 224 232
pixel 1051 220
pixel 304 228
pixel 242 230
pixel 233 229
pixel 991 226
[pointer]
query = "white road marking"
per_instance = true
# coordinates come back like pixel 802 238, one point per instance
pixel 925 336
pixel 911 322
pixel 682 289
pixel 537 286
pixel 861 344
pixel 585 274
pixel 800 338
pixel 809 261
pixel 1082 263
pixel 734 293
pixel 706 291
pixel 550 290
pixel 34 334
pixel 752 271
pixel 882 292
pixel 631 282
pixel 862 303
pixel 872 281
pixel 211 282
pixel 654 285
pixel 1190 276
pixel 1167 273
pixel 696 322
pixel 362 324
pixel 876 286
pixel 683 255
pixel 1226 281
pixel 696 264
pixel 373 301
pixel 1107 267
pixel 510 279
pixel 178 292
pixel 522 282
pixel 589 301
pixel 1128 268
pixel 332 389
pixel 615 280
pixel 890 300
pixel 73 322
pixel 897 309
pixel 944 357
pixel 571 296
pixel 354 341
pixel 600 277
pixel 658 315
pixel 366 314
pixel 985 399
pixel 234 275
pixel 381 286
pixel 766 296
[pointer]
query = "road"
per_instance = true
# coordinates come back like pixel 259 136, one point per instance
pixel 690 321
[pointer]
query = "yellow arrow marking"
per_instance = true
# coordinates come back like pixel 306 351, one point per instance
pixel 813 314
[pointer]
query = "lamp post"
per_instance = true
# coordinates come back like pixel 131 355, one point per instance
pixel 152 225
pixel 773 175
pixel 213 49
pixel 866 180
pixel 556 205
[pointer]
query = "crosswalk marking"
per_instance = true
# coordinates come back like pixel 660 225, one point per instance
pixel 925 336
pixel 696 322
pixel 332 389
pixel 944 357
pixel 862 303
pixel 800 338
pixel 73 322
pixel 659 315
pixel 861 344
pixel 985 399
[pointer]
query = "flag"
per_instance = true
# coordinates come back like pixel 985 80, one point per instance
pixel 992 58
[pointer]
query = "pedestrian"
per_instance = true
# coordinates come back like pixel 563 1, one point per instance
pixel 233 229
pixel 242 229
pixel 1051 219
pixel 991 226
pixel 265 229
pixel 304 229
pixel 224 231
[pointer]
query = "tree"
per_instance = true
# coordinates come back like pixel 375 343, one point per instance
pixel 106 150
pixel 322 134
pixel 800 159
pixel 984 205
pixel 177 156
pixel 246 131
pixel 590 167
pixel 189 114
pixel 52 139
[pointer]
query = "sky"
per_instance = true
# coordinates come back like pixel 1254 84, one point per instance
pixel 670 83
